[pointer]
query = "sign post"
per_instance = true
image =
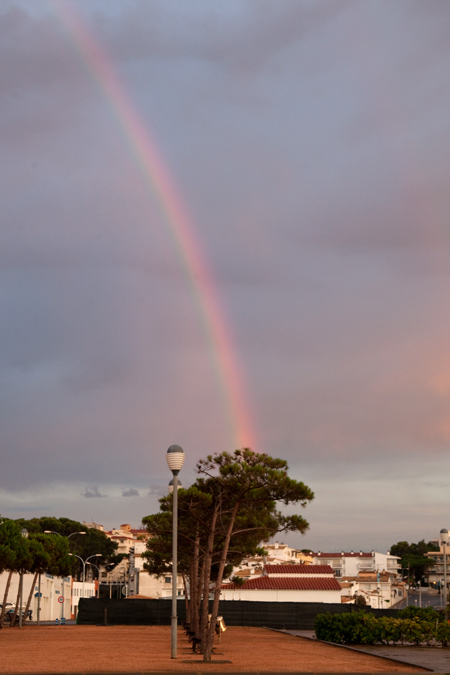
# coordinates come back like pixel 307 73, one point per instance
pixel 61 602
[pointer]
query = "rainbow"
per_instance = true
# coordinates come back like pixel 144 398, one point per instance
pixel 159 181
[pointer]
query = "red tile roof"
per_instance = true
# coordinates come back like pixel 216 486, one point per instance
pixel 289 570
pixel 287 584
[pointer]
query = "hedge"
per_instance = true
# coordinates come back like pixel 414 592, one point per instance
pixel 414 626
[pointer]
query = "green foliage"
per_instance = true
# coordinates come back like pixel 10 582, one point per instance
pixel 65 537
pixel 238 581
pixel 414 556
pixel 348 628
pixel 360 627
pixel 421 613
pixel 443 633
pixel 9 540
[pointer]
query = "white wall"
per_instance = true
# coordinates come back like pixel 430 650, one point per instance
pixel 80 590
pixel 281 595
pixel 152 587
pixel 51 589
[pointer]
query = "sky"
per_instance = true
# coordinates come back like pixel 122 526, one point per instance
pixel 227 225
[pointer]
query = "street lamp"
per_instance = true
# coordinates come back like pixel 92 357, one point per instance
pixel 175 460
pixel 98 571
pixel 62 535
pixel 85 562
pixel 170 487
pixel 443 536
pixel 39 585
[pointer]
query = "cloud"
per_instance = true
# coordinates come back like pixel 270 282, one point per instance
pixel 130 492
pixel 307 142
pixel 92 492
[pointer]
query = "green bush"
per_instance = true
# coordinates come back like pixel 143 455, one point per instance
pixel 360 627
pixel 413 630
pixel 443 634
pixel 348 628
pixel 423 613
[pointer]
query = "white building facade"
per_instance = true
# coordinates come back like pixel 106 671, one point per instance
pixel 350 564
pixel 51 595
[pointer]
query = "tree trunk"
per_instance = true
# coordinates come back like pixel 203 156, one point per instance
pixel 186 598
pixel 208 646
pixel 16 610
pixel 5 598
pixel 30 595
pixel 205 581
pixel 194 586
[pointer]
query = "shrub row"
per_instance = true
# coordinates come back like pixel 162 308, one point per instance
pixel 413 626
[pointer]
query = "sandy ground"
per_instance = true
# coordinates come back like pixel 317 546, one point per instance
pixel 115 649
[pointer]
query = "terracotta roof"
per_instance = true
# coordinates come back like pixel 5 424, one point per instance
pixel 298 569
pixel 253 572
pixel 287 584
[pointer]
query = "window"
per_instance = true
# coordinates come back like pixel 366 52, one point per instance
pixel 168 580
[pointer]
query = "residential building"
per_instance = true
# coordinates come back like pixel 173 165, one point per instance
pixel 126 538
pixel 277 554
pixel 281 553
pixel 52 595
pixel 350 564
pixel 129 578
pixel 125 577
pixel 287 583
pixel 434 575
pixel 379 590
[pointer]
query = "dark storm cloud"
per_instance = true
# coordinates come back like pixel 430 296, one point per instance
pixel 130 492
pixel 308 142
pixel 92 493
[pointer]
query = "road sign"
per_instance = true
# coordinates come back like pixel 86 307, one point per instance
pixel 61 598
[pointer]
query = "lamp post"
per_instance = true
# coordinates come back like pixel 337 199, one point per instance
pixel 170 486
pixel 24 534
pixel 62 535
pixel 443 536
pixel 85 562
pixel 175 460
pixel 39 586
pixel 98 571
